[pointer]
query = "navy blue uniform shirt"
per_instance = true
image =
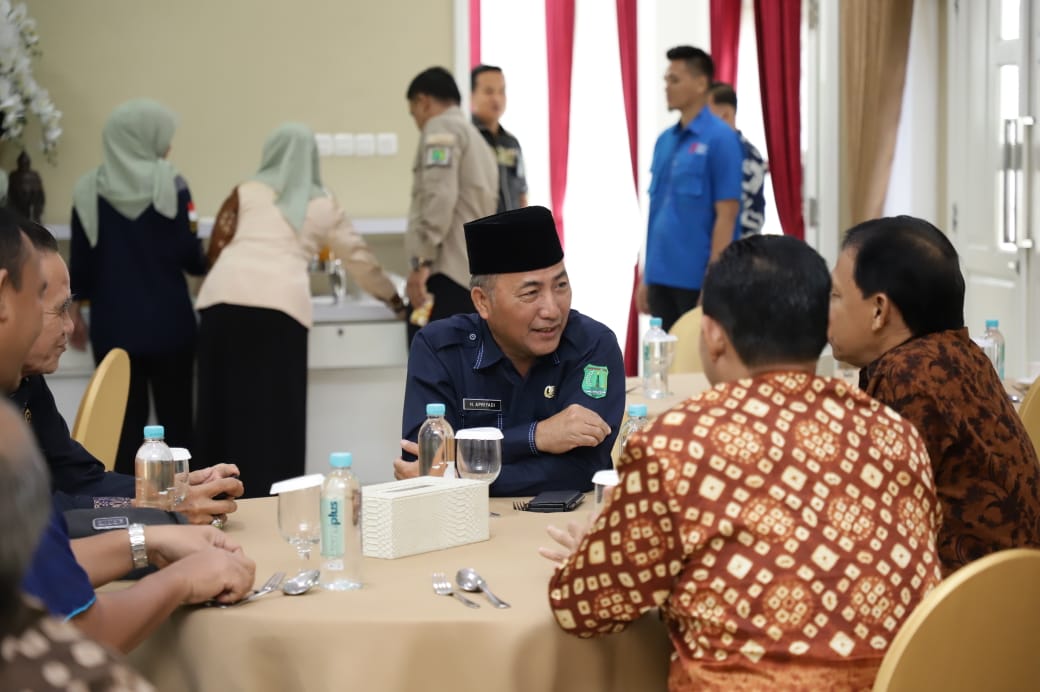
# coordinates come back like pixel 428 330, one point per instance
pixel 134 278
pixel 74 471
pixel 456 362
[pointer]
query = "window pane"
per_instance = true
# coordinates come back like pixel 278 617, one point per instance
pixel 1007 100
pixel 1009 18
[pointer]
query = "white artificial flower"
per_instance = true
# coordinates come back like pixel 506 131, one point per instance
pixel 19 92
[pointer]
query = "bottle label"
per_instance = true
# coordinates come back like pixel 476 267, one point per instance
pixel 332 527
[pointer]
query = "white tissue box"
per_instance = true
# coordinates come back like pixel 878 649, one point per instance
pixel 418 515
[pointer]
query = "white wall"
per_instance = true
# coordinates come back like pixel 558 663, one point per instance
pixel 912 187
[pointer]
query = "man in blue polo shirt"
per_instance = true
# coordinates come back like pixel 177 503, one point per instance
pixel 551 379
pixel 694 192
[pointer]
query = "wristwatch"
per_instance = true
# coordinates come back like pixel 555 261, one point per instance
pixel 137 547
pixel 420 262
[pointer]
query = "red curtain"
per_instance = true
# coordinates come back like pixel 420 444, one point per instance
pixel 778 36
pixel 725 39
pixel 559 40
pixel 627 42
pixel 474 34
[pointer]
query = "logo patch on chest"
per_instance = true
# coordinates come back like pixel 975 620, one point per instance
pixel 594 383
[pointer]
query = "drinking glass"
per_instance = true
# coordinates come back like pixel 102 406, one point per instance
pixel 299 518
pixel 181 471
pixel 478 453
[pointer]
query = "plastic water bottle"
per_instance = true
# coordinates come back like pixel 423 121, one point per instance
pixel 658 352
pixel 155 471
pixel 436 441
pixel 341 526
pixel 993 345
pixel 636 421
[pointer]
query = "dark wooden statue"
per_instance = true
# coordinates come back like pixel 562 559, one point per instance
pixel 25 190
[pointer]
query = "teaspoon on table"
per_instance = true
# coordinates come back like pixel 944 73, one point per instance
pixel 468 580
pixel 301 583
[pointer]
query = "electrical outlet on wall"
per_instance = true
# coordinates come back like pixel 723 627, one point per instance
pixel 324 142
pixel 386 143
pixel 343 144
pixel 364 144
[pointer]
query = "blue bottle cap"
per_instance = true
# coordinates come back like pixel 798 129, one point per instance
pixel 992 324
pixel 637 410
pixel 655 322
pixel 341 460
pixel 434 409
pixel 154 432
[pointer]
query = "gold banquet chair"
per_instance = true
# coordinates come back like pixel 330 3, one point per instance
pixel 1029 411
pixel 99 420
pixel 687 351
pixel 977 630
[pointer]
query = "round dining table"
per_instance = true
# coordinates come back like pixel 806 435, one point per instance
pixel 396 634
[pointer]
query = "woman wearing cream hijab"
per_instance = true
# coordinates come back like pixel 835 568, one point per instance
pixel 133 238
pixel 256 311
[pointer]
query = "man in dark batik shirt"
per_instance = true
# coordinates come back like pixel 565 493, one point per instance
pixel 897 312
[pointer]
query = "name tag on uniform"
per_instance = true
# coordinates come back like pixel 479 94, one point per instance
pixel 481 404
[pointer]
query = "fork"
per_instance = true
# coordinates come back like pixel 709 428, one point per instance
pixel 270 585
pixel 443 587
pixel 521 505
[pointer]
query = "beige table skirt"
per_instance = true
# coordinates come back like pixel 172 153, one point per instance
pixel 396 634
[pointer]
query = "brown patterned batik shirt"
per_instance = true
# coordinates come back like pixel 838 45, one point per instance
pixel 785 525
pixel 985 467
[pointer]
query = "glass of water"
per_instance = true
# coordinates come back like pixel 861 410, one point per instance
pixel 299 517
pixel 181 470
pixel 478 453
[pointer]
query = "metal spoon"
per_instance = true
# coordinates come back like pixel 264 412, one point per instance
pixel 301 583
pixel 468 580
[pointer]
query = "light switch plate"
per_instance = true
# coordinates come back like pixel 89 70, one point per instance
pixel 386 143
pixel 365 144
pixel 343 144
pixel 324 142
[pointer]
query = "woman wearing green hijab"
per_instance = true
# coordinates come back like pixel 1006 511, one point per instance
pixel 255 311
pixel 133 238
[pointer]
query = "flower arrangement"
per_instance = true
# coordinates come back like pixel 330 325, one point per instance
pixel 19 92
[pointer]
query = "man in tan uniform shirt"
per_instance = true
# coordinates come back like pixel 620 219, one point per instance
pixel 455 180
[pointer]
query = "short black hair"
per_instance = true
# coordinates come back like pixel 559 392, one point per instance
pixel 697 61
pixel 436 82
pixel 479 70
pixel 41 238
pixel 13 250
pixel 915 265
pixel 723 94
pixel 771 294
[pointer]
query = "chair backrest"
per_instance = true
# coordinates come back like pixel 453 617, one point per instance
pixel 977 630
pixel 687 351
pixel 1029 411
pixel 99 421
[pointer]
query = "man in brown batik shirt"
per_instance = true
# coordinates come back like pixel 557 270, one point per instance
pixel 897 312
pixel 784 523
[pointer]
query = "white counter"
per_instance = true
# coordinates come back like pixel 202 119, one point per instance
pixel 357 360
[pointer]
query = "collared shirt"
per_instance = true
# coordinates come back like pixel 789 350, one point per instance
pixel 785 526
pixel 134 278
pixel 54 576
pixel 985 467
pixel 693 168
pixel 752 197
pixel 76 476
pixel 454 181
pixel 512 178
pixel 456 362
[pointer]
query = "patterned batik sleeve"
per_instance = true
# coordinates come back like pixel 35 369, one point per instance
pixel 627 563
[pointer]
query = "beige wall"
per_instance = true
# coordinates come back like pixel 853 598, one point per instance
pixel 233 70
